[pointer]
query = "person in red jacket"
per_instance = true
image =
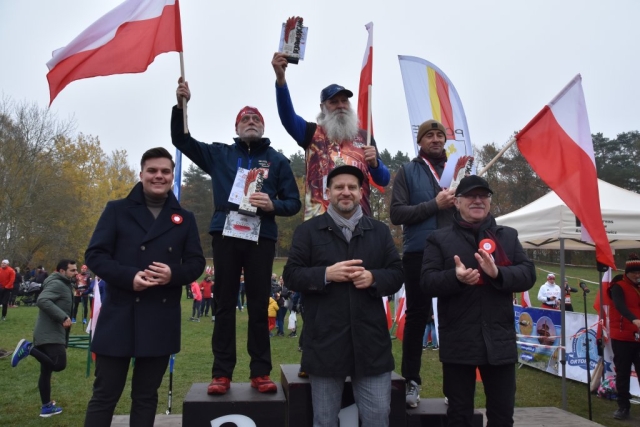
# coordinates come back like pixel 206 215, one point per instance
pixel 624 321
pixel 7 277
pixel 207 298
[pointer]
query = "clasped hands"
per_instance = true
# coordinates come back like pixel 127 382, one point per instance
pixel 156 274
pixel 350 271
pixel 471 276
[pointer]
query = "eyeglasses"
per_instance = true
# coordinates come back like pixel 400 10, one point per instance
pixel 476 196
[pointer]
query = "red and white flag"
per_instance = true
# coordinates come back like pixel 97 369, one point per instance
pixel 400 310
pixel 387 311
pixel 125 40
pixel 524 299
pixel 366 79
pixel 557 144
pixel 95 311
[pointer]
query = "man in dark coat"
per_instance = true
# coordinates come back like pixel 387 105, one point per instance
pixel 344 263
pixel 146 247
pixel 473 267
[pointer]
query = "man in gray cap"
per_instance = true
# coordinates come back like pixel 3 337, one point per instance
pixel 335 140
pixel 420 205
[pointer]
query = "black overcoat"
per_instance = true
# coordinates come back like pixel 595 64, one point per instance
pixel 476 323
pixel 127 239
pixel 345 329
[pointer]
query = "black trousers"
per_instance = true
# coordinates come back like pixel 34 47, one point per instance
pixel 230 256
pixel 459 385
pixel 206 305
pixel 625 353
pixel 76 304
pixel 52 358
pixel 111 376
pixel 417 316
pixel 5 295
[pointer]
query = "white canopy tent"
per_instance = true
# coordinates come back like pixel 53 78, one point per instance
pixel 541 224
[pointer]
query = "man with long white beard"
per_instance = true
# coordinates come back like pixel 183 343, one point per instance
pixel 334 141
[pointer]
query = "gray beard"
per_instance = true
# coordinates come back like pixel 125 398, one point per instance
pixel 339 127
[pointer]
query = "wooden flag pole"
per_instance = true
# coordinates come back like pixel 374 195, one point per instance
pixel 369 118
pixel 505 148
pixel 184 100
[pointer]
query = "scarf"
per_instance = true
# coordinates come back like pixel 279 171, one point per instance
pixel 347 226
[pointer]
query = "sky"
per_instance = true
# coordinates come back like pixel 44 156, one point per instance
pixel 506 58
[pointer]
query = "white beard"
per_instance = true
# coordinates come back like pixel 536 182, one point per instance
pixel 339 126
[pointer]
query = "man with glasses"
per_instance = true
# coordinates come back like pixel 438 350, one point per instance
pixel 420 205
pixel 240 241
pixel 473 266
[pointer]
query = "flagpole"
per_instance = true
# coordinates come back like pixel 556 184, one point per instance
pixel 369 118
pixel 184 100
pixel 505 148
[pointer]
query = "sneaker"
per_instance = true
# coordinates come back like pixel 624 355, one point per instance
pixel 621 414
pixel 302 374
pixel 73 320
pixel 22 350
pixel 3 318
pixel 424 347
pixel 84 321
pixel 446 400
pixel 50 409
pixel 219 385
pixel 413 394
pixel 197 319
pixel 436 348
pixel 264 384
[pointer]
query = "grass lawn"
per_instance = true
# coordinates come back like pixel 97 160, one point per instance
pixel 20 402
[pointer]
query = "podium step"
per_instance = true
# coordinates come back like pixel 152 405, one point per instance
pixel 433 413
pixel 264 409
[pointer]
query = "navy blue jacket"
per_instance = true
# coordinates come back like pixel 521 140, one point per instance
pixel 127 239
pixel 221 162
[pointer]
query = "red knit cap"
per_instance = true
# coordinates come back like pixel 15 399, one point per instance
pixel 248 110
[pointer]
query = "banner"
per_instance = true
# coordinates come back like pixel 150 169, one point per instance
pixel 431 95
pixel 539 332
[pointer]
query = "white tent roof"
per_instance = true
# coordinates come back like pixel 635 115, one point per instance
pixel 542 223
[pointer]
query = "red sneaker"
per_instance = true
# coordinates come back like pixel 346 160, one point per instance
pixel 264 384
pixel 219 385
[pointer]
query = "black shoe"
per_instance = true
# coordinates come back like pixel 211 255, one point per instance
pixel 621 414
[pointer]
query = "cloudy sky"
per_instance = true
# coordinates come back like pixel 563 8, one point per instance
pixel 506 58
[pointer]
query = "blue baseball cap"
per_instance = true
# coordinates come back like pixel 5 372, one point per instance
pixel 332 90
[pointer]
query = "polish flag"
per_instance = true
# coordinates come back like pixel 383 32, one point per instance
pixel 125 40
pixel 95 312
pixel 366 79
pixel 387 311
pixel 557 144
pixel 524 299
pixel 400 311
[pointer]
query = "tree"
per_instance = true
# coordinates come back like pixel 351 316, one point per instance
pixel 197 197
pixel 618 160
pixel 298 165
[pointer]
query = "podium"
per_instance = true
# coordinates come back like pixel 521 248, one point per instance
pixel 291 405
pixel 265 409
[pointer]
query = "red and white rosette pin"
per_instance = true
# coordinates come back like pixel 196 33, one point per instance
pixel 487 245
pixel 176 219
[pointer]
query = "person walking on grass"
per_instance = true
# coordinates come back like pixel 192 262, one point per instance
pixel 51 334
pixel 197 301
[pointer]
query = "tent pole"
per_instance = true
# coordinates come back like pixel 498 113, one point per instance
pixel 563 356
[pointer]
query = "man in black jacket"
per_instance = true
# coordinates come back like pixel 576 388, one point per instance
pixel 344 263
pixel 473 267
